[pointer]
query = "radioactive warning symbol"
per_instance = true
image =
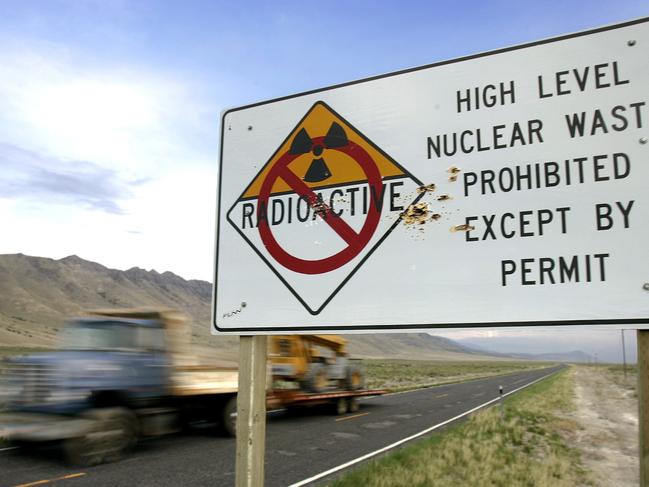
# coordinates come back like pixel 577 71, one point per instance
pixel 321 205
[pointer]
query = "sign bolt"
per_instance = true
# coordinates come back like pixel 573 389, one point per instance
pixel 244 304
pixel 643 140
pixel 645 286
pixel 631 43
pixel 249 127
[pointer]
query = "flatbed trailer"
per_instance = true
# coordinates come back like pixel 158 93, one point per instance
pixel 341 401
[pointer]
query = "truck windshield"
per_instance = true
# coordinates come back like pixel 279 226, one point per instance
pixel 103 336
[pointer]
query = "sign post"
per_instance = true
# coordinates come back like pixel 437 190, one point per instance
pixel 643 405
pixel 251 412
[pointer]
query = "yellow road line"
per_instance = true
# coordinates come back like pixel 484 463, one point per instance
pixel 46 481
pixel 351 417
pixel 73 475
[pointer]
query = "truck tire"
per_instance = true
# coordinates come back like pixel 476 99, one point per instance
pixel 316 379
pixel 340 406
pixel 229 417
pixel 113 434
pixel 354 378
pixel 353 405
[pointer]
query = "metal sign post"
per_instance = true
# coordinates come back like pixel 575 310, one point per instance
pixel 251 412
pixel 643 410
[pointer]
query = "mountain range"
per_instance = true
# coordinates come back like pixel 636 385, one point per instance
pixel 38 295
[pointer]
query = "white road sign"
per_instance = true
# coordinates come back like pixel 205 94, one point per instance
pixel 505 188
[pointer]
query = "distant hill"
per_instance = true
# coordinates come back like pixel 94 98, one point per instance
pixel 570 356
pixel 38 295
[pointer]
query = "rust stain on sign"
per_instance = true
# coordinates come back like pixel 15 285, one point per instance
pixel 453 172
pixel 435 216
pixel 426 188
pixel 462 228
pixel 444 197
pixel 415 214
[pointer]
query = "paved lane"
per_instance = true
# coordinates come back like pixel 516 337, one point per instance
pixel 297 447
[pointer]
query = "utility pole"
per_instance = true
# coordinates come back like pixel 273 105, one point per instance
pixel 623 354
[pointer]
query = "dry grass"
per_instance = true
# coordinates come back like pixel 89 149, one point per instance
pixel 399 375
pixel 524 447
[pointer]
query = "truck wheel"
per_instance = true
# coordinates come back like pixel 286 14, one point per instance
pixel 112 435
pixel 340 406
pixel 354 378
pixel 316 379
pixel 229 417
pixel 353 406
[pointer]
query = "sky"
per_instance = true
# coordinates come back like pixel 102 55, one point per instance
pixel 109 111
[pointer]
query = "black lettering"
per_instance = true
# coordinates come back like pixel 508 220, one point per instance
pixel 581 82
pixel 467 234
pixel 621 173
pixel 302 201
pixel 501 176
pixel 568 271
pixel 275 218
pixel 563 210
pixel 463 100
pixel 576 123
pixel 470 179
pixel 488 230
pixel 545 217
pixel 377 198
pixel 603 214
pixel 534 127
pixel 597 168
pixel 626 210
pixel 352 200
pixel 638 118
pixel 599 74
pixel 433 146
pixel 602 270
pixel 616 76
pixel 465 149
pixel 624 123
pixel 487 177
pixel 524 222
pixel 507 268
pixel 497 133
pixel 525 270
pixel 546 265
pixel 541 93
pixel 247 211
pixel 336 193
pixel 551 170
pixel 598 123
pixel 560 79
pixel 502 226
pixel 394 195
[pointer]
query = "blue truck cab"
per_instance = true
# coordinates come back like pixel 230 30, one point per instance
pixel 114 379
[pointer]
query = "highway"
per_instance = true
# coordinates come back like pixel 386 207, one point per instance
pixel 298 447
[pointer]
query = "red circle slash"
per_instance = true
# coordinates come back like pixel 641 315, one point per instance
pixel 355 241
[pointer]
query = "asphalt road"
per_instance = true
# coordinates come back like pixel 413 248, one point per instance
pixel 297 447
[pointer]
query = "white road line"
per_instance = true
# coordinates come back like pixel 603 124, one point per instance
pixel 9 448
pixel 416 435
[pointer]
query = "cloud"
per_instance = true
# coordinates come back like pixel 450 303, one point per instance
pixel 25 174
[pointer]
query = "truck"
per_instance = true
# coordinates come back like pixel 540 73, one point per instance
pixel 120 375
pixel 311 370
pixel 126 374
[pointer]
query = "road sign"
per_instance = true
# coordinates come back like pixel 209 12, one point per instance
pixel 505 188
